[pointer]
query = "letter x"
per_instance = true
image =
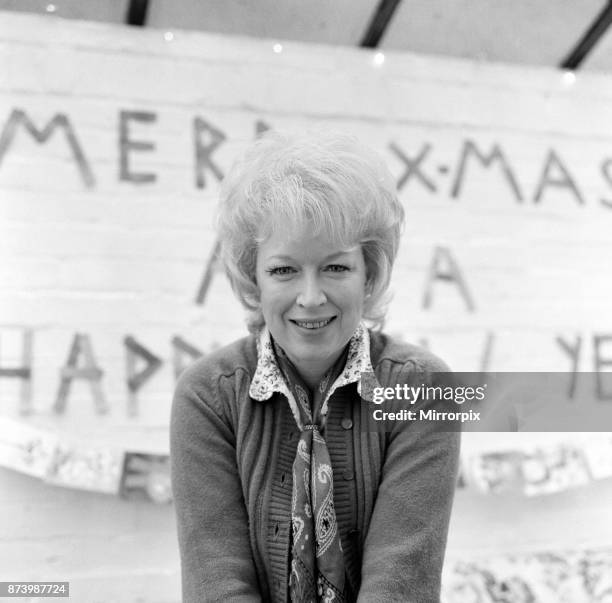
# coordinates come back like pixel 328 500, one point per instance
pixel 412 167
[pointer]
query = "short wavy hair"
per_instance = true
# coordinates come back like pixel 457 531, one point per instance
pixel 329 183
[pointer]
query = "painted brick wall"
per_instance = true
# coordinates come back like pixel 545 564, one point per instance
pixel 106 230
pixel 505 171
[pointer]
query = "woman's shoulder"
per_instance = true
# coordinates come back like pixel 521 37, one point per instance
pixel 385 349
pixel 207 371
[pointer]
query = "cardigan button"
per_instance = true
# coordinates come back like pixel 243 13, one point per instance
pixel 348 475
pixel 346 423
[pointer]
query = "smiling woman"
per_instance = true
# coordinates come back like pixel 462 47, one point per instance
pixel 312 298
pixel 284 490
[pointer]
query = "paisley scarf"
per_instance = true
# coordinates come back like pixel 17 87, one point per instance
pixel 317 563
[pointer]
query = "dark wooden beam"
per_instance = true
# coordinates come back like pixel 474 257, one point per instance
pixel 379 22
pixel 137 12
pixel 589 39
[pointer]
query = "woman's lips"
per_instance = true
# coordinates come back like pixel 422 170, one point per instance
pixel 312 323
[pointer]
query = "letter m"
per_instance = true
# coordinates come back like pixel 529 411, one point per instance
pixel 496 154
pixel 20 118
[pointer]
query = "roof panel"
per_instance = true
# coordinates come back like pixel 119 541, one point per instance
pixel 323 21
pixel 108 11
pixel 535 32
pixel 600 58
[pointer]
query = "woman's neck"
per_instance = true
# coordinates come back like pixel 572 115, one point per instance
pixel 312 376
pixel 312 372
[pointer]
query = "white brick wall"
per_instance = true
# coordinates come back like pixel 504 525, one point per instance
pixel 115 258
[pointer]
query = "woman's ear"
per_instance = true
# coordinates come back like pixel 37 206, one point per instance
pixel 254 298
pixel 251 294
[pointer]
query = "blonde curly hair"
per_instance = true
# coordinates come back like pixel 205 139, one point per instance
pixel 329 183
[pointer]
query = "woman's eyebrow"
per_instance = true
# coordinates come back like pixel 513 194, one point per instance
pixel 288 258
pixel 284 258
pixel 337 254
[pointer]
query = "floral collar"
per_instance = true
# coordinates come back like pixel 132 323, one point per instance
pixel 269 379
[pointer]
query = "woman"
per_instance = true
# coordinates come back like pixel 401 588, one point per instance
pixel 285 489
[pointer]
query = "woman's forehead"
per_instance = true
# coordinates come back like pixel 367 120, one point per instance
pixel 334 232
pixel 298 243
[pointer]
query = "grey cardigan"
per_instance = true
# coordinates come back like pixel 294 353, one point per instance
pixel 231 463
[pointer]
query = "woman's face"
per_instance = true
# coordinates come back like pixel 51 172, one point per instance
pixel 312 295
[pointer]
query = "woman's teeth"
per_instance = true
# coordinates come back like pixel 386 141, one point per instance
pixel 311 324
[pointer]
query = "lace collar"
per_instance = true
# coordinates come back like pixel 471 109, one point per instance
pixel 269 379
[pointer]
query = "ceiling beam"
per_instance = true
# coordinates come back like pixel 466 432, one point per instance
pixel 137 12
pixel 379 22
pixel 589 39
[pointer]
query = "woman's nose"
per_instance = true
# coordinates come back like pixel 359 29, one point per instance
pixel 311 293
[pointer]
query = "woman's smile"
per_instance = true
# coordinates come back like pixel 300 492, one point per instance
pixel 312 293
pixel 312 324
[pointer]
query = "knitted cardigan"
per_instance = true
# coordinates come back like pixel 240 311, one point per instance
pixel 231 467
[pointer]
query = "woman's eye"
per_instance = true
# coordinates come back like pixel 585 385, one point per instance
pixel 281 270
pixel 337 268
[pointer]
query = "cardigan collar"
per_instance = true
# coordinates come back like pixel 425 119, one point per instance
pixel 269 379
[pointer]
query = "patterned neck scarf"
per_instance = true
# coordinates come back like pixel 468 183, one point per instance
pixel 317 563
